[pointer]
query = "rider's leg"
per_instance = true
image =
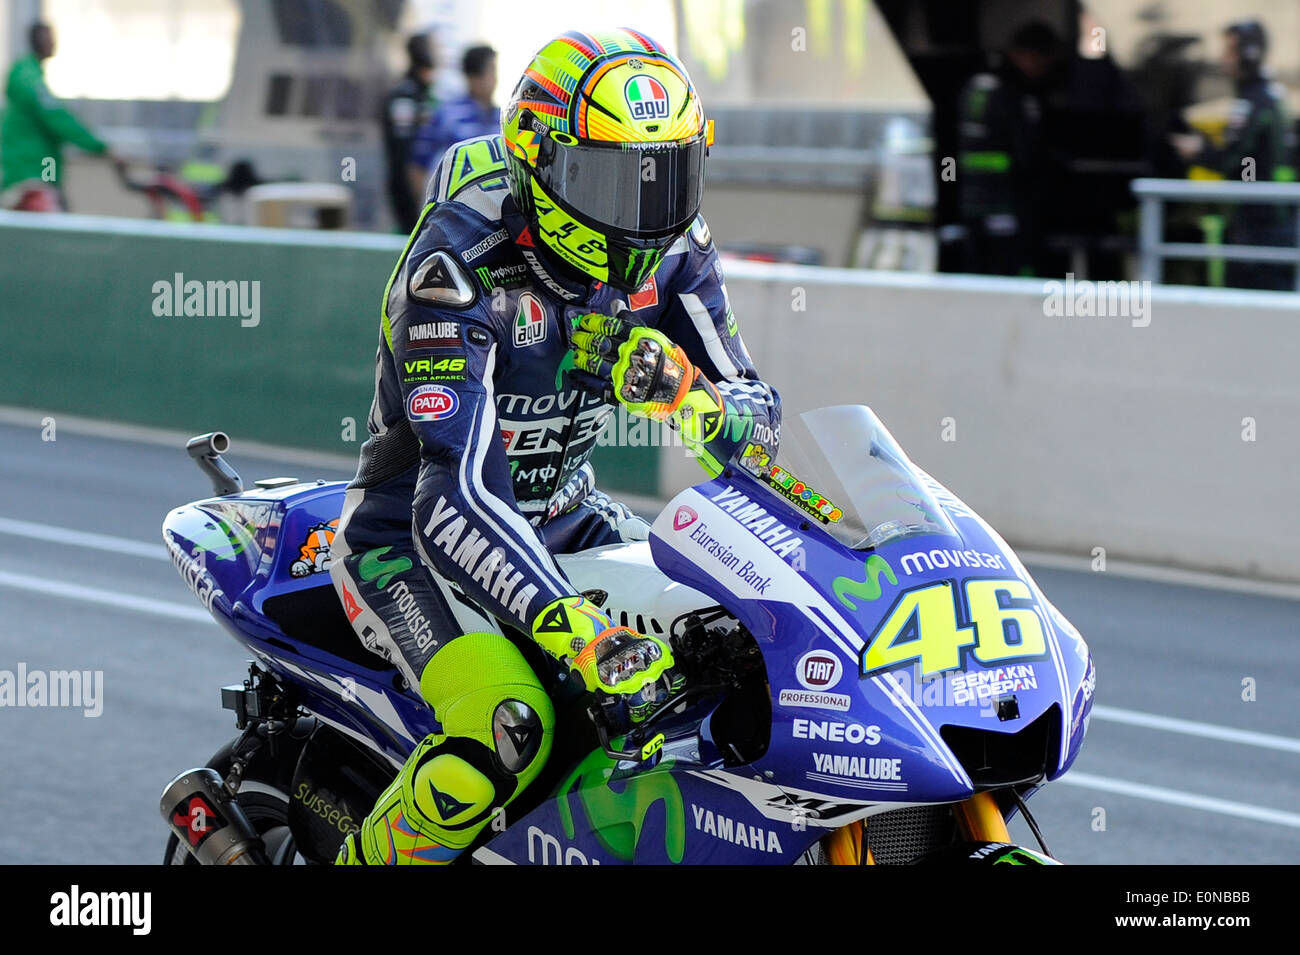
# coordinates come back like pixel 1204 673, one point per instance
pixel 496 719
pixel 594 521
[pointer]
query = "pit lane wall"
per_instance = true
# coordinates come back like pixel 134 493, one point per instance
pixel 93 323
pixel 1171 437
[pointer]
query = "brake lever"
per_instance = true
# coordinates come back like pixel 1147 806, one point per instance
pixel 603 735
pixel 638 732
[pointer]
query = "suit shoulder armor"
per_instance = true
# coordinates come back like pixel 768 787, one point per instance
pixel 472 173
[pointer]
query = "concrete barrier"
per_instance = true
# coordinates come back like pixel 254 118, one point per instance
pixel 1172 441
pixel 1071 433
pixel 283 352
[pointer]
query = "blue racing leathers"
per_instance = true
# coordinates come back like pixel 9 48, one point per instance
pixel 476 470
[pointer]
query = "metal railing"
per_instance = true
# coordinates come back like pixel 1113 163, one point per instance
pixel 1153 249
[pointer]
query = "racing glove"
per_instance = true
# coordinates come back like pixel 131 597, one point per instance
pixel 615 660
pixel 650 375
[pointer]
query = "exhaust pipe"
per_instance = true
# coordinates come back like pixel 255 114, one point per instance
pixel 206 450
pixel 209 822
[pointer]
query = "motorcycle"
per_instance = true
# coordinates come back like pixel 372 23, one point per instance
pixel 870 674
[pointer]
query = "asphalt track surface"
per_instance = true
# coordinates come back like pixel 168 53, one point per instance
pixel 1177 767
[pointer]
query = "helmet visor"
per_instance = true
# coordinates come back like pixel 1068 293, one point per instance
pixel 639 189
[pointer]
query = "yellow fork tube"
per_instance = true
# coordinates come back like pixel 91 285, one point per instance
pixel 981 820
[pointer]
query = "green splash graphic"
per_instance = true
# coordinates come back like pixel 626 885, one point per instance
pixel 868 589
pixel 617 818
pixel 566 363
pixel 373 567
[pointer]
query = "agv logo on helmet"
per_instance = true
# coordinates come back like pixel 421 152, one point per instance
pixel 646 98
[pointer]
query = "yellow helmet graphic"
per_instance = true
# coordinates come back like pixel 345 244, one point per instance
pixel 605 141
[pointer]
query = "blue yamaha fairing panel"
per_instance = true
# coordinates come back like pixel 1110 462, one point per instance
pixel 816 607
pixel 851 736
pixel 258 561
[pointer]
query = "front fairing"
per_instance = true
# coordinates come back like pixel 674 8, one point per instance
pixel 814 606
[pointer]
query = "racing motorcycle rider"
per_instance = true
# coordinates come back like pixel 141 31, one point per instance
pixel 556 270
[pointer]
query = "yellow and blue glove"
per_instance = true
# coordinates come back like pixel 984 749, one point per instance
pixel 649 374
pixel 615 660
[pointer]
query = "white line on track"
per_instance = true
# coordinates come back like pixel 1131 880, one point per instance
pixel 1175 797
pixel 1077 779
pixel 645 506
pixel 1114 714
pixel 1152 573
pixel 141 434
pixel 85 539
pixel 107 598
pixel 1172 724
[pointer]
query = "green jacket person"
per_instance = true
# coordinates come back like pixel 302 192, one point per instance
pixel 37 125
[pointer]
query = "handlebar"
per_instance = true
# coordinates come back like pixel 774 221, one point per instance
pixel 638 736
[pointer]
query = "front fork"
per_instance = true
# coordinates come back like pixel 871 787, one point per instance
pixel 978 817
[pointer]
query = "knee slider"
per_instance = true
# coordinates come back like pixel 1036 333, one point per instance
pixel 517 734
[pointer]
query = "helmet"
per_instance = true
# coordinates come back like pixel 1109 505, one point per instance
pixel 1252 41
pixel 605 143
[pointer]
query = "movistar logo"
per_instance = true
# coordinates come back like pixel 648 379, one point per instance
pixel 373 567
pixel 868 589
pixel 566 363
pixel 618 817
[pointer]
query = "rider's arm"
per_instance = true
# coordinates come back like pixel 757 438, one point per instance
pixel 465 521
pixel 700 320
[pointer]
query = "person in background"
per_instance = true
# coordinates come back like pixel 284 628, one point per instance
pixel 36 126
pixel 469 115
pixel 1258 146
pixel 406 108
pixel 1002 168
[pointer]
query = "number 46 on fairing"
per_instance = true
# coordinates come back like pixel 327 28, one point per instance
pixel 923 626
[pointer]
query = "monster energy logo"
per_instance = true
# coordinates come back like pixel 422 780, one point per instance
pixel 648 258
pixel 502 276
pixel 868 589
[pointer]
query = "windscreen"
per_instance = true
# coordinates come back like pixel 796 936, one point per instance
pixel 842 467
